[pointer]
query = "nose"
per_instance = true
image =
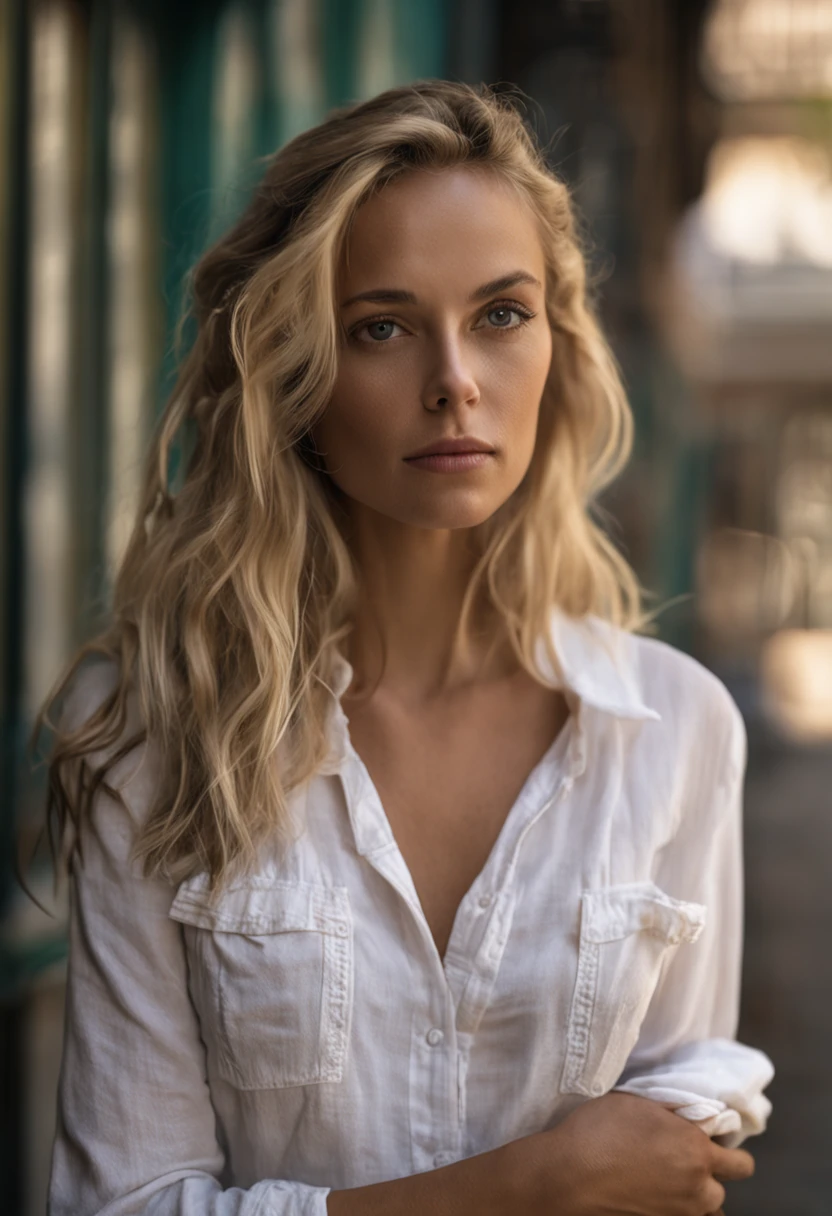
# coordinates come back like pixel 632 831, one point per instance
pixel 450 382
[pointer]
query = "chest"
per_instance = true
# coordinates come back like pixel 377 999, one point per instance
pixel 310 972
pixel 447 778
pixel 329 1026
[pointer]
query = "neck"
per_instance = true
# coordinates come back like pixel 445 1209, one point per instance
pixel 413 582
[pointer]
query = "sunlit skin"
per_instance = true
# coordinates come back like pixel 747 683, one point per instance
pixel 459 345
pixel 456 358
pixel 454 341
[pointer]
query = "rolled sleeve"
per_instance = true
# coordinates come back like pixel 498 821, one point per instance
pixel 687 1056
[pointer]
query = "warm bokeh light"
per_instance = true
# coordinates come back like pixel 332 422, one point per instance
pixel 133 271
pixel 752 268
pixel 52 354
pixel 769 199
pixel 747 582
pixel 796 683
pixel 768 48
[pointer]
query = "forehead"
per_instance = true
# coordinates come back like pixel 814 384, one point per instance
pixel 464 224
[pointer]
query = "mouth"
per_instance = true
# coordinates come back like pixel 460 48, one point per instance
pixel 460 461
pixel 466 445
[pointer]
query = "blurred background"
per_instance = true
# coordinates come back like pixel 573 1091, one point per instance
pixel 697 137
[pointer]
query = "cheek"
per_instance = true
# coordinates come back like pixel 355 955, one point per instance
pixel 525 379
pixel 363 418
pixel 539 363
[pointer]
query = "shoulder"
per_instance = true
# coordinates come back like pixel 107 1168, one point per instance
pixel 694 705
pixel 671 681
pixel 89 688
pixel 130 764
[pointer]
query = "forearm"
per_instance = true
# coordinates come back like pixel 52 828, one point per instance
pixel 484 1185
pixel 618 1153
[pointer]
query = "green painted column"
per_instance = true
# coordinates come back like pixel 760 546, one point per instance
pixel 421 28
pixel 341 27
pixel 185 37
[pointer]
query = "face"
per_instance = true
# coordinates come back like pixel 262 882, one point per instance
pixel 445 338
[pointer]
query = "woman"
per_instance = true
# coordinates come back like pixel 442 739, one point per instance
pixel 392 844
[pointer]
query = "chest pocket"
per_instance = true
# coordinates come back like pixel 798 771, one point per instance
pixel 272 968
pixel 628 934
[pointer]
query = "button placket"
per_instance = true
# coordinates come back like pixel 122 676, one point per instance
pixel 463 1059
pixel 483 968
pixel 495 907
pixel 433 1087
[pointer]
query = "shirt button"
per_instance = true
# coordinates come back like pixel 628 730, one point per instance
pixel 434 1036
pixel 341 929
pixel 597 1090
pixel 485 901
pixel 443 1159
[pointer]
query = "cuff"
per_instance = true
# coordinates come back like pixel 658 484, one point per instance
pixel 294 1199
pixel 716 1083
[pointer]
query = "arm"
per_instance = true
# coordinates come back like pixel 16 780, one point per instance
pixel 136 1128
pixel 687 1056
pixel 619 1154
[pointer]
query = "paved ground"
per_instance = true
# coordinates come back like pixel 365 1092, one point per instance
pixel 787 983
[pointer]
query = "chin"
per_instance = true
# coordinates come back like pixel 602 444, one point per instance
pixel 437 506
pixel 468 511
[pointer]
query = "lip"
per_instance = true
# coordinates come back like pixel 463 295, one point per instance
pixel 453 447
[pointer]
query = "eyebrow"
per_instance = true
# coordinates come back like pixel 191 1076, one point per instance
pixel 392 295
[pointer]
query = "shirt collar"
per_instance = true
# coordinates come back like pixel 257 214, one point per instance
pixel 595 661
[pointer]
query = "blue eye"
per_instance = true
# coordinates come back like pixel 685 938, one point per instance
pixel 509 315
pixel 504 314
pixel 379 331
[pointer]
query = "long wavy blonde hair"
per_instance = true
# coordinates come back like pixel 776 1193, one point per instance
pixel 237 589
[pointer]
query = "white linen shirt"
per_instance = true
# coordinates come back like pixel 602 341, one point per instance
pixel 304 1034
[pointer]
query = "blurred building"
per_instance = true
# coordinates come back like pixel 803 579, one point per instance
pixel 697 139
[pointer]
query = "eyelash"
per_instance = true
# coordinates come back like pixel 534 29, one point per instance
pixel 522 311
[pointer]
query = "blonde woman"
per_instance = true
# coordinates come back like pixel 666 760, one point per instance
pixel 405 873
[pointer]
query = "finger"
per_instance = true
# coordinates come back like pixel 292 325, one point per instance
pixel 714 1196
pixel 731 1164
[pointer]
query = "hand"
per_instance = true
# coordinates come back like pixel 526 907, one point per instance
pixel 623 1155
